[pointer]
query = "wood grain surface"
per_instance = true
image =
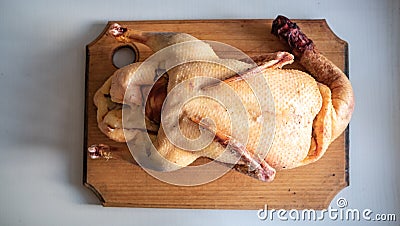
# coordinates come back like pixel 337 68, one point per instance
pixel 121 182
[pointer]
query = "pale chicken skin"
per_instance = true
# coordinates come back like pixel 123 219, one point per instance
pixel 309 112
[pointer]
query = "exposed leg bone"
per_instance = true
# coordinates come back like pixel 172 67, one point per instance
pixel 270 61
pixel 261 170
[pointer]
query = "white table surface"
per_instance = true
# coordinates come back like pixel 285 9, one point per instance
pixel 42 52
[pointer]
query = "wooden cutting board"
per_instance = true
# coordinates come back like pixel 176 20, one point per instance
pixel 121 182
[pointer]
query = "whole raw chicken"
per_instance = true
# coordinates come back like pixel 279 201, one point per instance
pixel 307 113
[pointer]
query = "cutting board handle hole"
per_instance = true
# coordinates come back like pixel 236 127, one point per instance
pixel 124 55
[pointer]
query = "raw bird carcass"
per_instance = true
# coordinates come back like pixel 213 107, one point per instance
pixel 310 111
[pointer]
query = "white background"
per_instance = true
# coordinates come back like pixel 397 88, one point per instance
pixel 42 64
